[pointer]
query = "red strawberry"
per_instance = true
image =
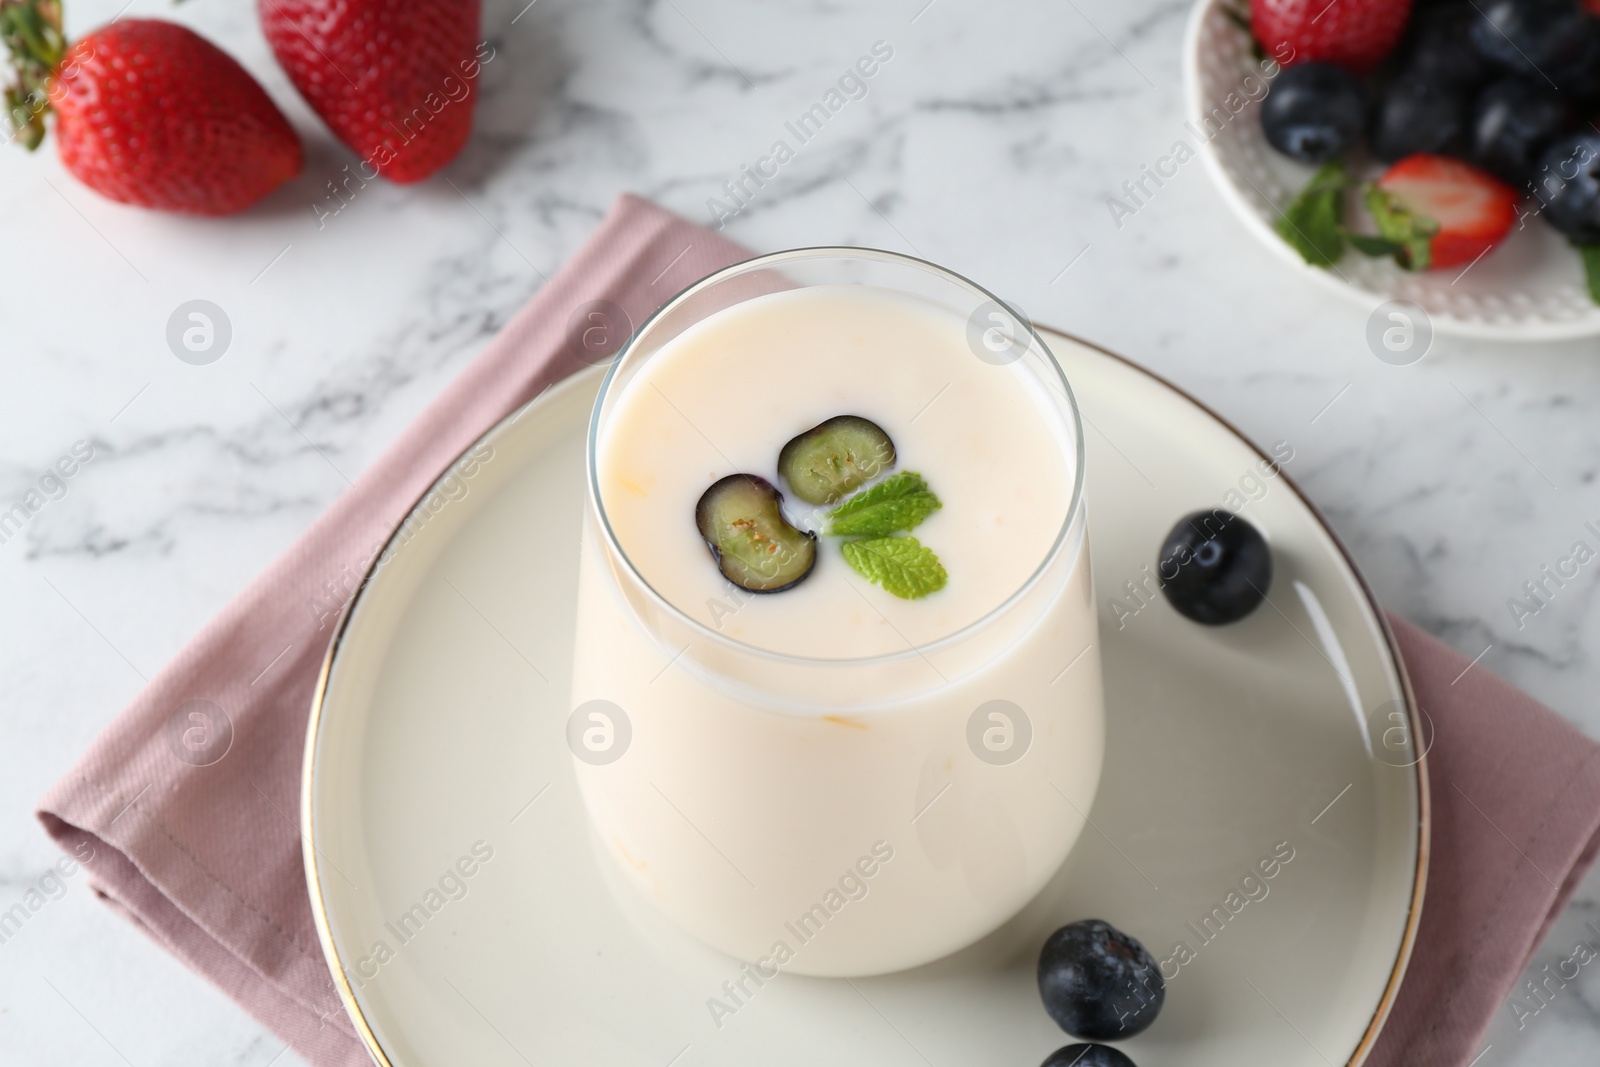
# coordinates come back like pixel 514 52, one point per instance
pixel 1441 212
pixel 396 80
pixel 1356 34
pixel 148 112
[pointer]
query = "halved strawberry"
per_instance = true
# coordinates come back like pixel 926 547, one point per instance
pixel 1440 212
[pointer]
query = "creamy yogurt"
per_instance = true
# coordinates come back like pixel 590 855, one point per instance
pixel 772 740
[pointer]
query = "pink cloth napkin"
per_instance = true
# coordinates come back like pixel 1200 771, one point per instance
pixel 1516 824
pixel 190 798
pixel 207 858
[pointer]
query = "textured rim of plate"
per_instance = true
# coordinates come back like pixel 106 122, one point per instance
pixel 308 848
pixel 1235 198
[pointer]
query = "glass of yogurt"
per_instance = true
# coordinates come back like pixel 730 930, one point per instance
pixel 836 701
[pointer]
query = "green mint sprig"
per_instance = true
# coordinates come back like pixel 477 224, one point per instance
pixel 902 565
pixel 1313 223
pixel 897 503
pixel 875 520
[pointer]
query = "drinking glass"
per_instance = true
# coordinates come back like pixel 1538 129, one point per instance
pixel 839 816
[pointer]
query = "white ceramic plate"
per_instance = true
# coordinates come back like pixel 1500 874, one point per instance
pixel 1531 288
pixel 437 747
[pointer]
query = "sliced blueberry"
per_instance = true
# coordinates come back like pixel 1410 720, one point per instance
pixel 1087 1056
pixel 1513 121
pixel 1098 983
pixel 1313 112
pixel 835 458
pixel 741 519
pixel 1414 115
pixel 1215 567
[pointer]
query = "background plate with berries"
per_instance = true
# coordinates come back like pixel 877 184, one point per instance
pixel 1440 153
pixel 1259 836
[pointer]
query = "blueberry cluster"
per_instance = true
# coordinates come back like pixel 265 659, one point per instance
pixel 1509 86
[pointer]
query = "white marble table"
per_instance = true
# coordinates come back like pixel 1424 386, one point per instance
pixel 990 142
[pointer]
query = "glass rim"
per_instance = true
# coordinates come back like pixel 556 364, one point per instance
pixel 1070 524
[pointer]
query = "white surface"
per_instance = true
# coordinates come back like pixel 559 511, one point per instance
pixel 990 143
pixel 1223 746
pixel 1531 288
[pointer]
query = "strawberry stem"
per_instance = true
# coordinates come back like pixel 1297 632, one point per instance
pixel 1411 234
pixel 31 30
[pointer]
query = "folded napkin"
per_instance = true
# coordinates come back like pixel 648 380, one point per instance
pixel 205 856
pixel 1516 824
pixel 189 800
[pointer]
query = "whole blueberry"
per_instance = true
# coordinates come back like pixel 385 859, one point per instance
pixel 1529 36
pixel 1578 75
pixel 1512 122
pixel 1087 1056
pixel 1215 567
pixel 1414 115
pixel 1440 49
pixel 1098 983
pixel 1313 112
pixel 1568 186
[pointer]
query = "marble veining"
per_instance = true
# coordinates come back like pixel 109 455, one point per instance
pixel 993 142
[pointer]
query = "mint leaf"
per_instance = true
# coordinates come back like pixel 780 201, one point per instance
pixel 1313 224
pixel 902 565
pixel 1591 269
pixel 899 502
pixel 1411 232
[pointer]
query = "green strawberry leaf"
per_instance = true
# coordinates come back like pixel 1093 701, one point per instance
pixel 902 565
pixel 30 31
pixel 1313 224
pixel 1368 245
pixel 1412 233
pixel 897 503
pixel 1591 269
